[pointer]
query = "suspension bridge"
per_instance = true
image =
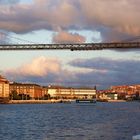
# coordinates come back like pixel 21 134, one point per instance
pixel 126 44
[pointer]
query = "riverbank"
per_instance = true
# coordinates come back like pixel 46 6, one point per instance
pixel 106 100
pixel 51 101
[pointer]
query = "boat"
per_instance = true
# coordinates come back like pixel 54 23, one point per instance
pixel 86 101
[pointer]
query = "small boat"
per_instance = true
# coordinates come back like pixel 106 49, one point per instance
pixel 65 101
pixel 86 101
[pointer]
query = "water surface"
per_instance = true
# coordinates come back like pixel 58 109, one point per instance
pixel 103 121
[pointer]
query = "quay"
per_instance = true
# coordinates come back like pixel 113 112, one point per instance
pixel 58 101
pixel 37 101
pixel 115 101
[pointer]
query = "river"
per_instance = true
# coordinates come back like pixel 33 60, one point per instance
pixel 103 121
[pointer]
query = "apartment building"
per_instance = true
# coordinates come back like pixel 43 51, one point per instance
pixel 4 87
pixel 126 89
pixel 32 90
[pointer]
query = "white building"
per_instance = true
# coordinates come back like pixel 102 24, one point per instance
pixel 63 92
pixel 4 87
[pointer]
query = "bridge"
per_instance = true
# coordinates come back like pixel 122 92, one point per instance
pixel 4 45
pixel 72 47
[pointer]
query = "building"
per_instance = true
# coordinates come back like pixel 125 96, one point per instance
pixel 71 93
pixel 126 89
pixel 111 96
pixel 4 87
pixel 44 90
pixel 32 90
pixel 35 91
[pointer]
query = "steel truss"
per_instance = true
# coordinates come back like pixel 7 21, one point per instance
pixel 72 47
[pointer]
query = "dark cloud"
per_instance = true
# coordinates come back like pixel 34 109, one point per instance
pixel 107 64
pixel 106 72
pixel 111 35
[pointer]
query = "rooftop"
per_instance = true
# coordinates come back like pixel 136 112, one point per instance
pixel 2 79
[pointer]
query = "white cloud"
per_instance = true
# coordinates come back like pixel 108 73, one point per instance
pixel 40 66
pixel 65 37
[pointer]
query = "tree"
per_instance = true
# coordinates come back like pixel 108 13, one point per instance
pixel 47 96
pixel 14 95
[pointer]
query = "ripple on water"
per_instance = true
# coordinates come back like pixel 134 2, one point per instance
pixel 103 121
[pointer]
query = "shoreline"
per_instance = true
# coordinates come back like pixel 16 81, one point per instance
pixel 52 101
pixel 37 101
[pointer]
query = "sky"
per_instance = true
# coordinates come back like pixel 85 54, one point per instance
pixel 70 21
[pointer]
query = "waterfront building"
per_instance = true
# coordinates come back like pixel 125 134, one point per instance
pixel 111 96
pixel 44 90
pixel 34 91
pixel 126 89
pixel 71 93
pixel 4 87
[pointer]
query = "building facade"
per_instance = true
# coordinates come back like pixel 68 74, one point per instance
pixel 32 90
pixel 71 93
pixel 35 91
pixel 126 89
pixel 4 87
pixel 44 90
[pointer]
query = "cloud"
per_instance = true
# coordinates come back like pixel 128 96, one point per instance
pixel 113 14
pixel 9 1
pixel 112 35
pixel 40 66
pixel 106 64
pixel 41 70
pixel 119 17
pixel 102 72
pixel 65 37
pixel 4 37
pixel 106 72
pixel 42 14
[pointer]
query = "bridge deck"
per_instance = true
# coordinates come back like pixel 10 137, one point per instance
pixel 72 47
